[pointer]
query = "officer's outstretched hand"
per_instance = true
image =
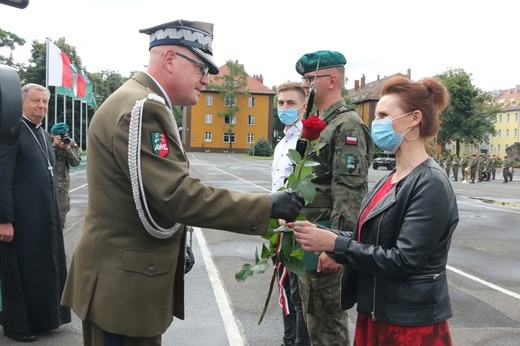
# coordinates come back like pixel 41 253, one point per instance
pixel 286 205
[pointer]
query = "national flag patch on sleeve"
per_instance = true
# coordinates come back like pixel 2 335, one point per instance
pixel 159 143
pixel 351 141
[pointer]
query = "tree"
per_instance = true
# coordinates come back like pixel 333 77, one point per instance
pixel 10 41
pixel 471 115
pixel 230 86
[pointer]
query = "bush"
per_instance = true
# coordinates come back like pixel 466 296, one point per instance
pixel 260 148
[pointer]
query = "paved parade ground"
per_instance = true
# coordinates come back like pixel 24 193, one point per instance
pixel 482 267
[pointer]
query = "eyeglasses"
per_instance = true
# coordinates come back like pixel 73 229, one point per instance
pixel 312 79
pixel 204 69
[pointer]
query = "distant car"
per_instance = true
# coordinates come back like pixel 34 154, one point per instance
pixel 384 159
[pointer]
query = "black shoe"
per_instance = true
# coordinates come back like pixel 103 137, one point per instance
pixel 20 337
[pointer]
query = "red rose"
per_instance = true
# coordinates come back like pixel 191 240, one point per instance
pixel 312 127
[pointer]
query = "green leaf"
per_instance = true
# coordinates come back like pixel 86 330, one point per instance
pixel 311 163
pixel 294 156
pixel 298 253
pixel 295 265
pixel 287 244
pixel 283 229
pixel 243 273
pixel 301 217
pixel 307 190
pixel 260 267
pixel 265 252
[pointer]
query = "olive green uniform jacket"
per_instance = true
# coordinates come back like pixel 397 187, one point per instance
pixel 345 152
pixel 121 278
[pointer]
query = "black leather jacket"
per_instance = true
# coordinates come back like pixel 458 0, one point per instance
pixel 401 258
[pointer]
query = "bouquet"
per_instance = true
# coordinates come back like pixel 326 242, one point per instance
pixel 280 240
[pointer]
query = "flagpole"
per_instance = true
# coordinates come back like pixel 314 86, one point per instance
pixel 55 104
pixel 80 123
pixel 64 108
pixel 73 117
pixel 47 79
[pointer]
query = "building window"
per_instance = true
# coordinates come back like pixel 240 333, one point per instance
pixel 251 102
pixel 207 137
pixel 508 117
pixel 230 100
pixel 233 120
pixel 498 148
pixel 499 134
pixel 209 100
pixel 507 133
pixel 250 138
pixel 209 118
pixel 250 119
pixel 226 137
pixel 516 133
pixel 500 118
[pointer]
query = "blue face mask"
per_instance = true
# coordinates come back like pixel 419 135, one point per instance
pixel 384 136
pixel 288 116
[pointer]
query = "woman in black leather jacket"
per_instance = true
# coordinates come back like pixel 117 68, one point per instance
pixel 395 258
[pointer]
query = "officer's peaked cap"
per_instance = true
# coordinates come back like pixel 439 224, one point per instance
pixel 196 36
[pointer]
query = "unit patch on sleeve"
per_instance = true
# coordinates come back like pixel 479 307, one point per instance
pixel 351 163
pixel 351 141
pixel 159 143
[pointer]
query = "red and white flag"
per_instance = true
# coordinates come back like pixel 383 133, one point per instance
pixel 58 65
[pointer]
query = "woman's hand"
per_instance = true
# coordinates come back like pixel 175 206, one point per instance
pixel 312 238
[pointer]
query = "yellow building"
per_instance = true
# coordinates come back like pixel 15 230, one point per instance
pixel 204 130
pixel 507 122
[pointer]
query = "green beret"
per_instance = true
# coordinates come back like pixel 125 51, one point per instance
pixel 320 60
pixel 59 128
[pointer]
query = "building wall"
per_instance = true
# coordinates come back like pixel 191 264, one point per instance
pixel 195 135
pixel 508 131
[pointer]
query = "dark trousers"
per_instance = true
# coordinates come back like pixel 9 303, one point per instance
pixel 295 329
pixel 95 336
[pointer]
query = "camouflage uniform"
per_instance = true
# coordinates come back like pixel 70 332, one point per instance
pixel 481 167
pixel 447 165
pixel 463 165
pixel 346 148
pixel 492 166
pixel 455 167
pixel 65 158
pixel 473 163
pixel 507 165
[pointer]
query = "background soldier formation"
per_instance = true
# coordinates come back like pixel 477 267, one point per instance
pixel 481 168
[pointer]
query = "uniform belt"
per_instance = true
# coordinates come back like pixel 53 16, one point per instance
pixel 320 201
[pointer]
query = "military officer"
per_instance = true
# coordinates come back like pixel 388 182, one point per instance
pixel 126 277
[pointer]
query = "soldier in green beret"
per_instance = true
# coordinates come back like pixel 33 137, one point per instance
pixel 346 148
pixel 67 155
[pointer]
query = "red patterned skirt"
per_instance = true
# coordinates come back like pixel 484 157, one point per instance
pixel 372 333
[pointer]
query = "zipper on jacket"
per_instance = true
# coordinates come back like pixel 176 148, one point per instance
pixel 427 276
pixel 373 313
